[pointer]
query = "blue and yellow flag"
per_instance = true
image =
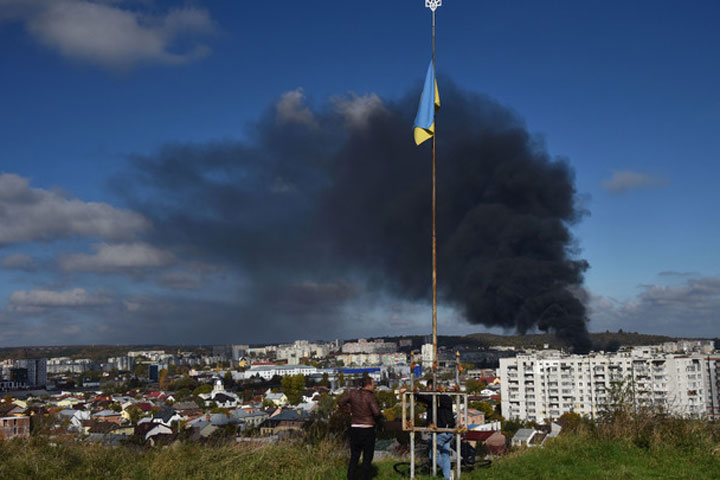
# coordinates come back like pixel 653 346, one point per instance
pixel 424 126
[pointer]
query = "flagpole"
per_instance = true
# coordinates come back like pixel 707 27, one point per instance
pixel 434 227
pixel 433 5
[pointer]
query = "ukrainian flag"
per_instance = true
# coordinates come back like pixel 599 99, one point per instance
pixel 424 126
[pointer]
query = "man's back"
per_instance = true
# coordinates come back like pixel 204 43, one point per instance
pixel 364 408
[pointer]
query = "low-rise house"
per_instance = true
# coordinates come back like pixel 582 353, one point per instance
pixel 14 427
pixel 536 437
pixel 11 409
pixel 251 418
pixel 523 437
pixel 280 427
pixel 69 402
pixel 494 441
pixel 166 417
pixel 277 399
pixel 74 418
pixel 220 396
pixel 159 434
pixel 108 416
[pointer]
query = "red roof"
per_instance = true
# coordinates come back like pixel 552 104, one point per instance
pixel 145 406
pixel 478 435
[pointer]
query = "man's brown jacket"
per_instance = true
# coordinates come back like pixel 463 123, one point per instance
pixel 364 408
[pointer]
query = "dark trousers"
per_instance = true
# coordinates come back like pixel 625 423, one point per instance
pixel 362 440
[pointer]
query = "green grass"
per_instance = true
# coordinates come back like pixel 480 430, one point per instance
pixel 584 455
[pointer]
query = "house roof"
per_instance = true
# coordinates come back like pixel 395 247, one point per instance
pixel 523 434
pixel 166 414
pixel 9 408
pixel 106 413
pixel 290 414
pixel 221 397
pixel 185 405
pixel 100 427
pixel 478 435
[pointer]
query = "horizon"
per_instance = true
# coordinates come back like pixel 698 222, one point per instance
pixel 386 337
pixel 179 171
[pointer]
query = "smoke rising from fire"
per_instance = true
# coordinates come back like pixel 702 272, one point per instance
pixel 321 203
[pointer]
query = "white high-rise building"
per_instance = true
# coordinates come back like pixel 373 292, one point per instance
pixel 549 383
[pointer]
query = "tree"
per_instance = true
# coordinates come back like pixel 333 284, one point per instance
pixel 228 380
pixel 206 388
pixel 325 382
pixel 475 386
pixel 293 387
pixel 182 393
pixel 135 413
pixel 184 382
pixel 487 409
pixel 386 399
pixel 341 380
pixel 326 406
pixel 163 379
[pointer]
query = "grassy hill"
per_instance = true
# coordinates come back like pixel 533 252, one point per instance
pixel 626 448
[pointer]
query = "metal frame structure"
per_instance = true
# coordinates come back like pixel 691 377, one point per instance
pixel 461 422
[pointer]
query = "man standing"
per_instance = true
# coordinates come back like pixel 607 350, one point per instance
pixel 364 410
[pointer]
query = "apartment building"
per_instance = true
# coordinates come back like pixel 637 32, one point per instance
pixel 363 346
pixel 300 349
pixel 549 383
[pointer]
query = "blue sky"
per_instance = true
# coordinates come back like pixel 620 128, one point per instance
pixel 625 91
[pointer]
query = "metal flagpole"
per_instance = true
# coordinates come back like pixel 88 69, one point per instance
pixel 433 5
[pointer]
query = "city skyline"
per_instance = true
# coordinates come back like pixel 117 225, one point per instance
pixel 111 235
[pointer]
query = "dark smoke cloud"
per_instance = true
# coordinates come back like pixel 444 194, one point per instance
pixel 316 207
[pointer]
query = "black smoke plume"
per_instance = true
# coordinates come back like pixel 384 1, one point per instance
pixel 319 204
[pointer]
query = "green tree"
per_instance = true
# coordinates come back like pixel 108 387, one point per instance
pixel 135 413
pixel 293 387
pixel 182 394
pixel 184 382
pixel 325 382
pixel 206 388
pixel 475 386
pixel 386 399
pixel 228 380
pixel 326 406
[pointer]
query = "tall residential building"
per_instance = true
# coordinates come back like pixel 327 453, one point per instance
pixel 300 349
pixel 36 370
pixel 363 346
pixel 239 351
pixel 548 383
pixel 123 363
pixel 712 364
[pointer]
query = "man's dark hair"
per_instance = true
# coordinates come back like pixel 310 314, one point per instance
pixel 366 380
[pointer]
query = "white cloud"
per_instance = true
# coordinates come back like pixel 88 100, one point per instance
pixel 689 309
pixel 31 214
pixel 357 109
pixel 18 261
pixel 291 108
pixel 105 34
pixel 625 180
pixel 40 299
pixel 117 257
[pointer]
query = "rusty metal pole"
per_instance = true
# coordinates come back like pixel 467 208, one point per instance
pixel 434 262
pixel 434 235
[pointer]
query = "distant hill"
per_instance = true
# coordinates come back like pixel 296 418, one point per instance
pixel 607 341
